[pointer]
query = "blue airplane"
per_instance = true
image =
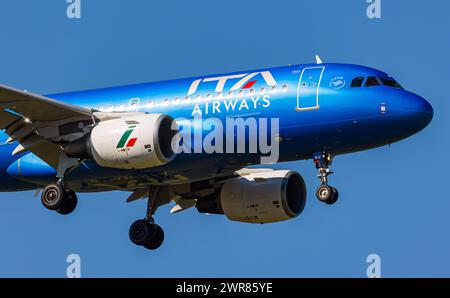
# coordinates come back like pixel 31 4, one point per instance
pixel 166 141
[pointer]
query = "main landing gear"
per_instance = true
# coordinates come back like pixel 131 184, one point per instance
pixel 145 232
pixel 325 193
pixel 56 197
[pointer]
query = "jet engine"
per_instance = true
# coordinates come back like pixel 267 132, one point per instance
pixel 132 142
pixel 258 198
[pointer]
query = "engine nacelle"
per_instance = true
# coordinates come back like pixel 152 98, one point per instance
pixel 259 198
pixel 133 142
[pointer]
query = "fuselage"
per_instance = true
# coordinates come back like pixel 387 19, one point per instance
pixel 340 108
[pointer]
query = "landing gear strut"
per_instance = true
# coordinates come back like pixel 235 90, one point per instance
pixel 325 193
pixel 145 232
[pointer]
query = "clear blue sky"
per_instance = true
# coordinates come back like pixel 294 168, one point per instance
pixel 393 200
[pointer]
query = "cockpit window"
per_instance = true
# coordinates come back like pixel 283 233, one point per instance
pixel 357 82
pixel 371 82
pixel 390 83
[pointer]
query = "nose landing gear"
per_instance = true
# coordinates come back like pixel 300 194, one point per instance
pixel 145 232
pixel 325 193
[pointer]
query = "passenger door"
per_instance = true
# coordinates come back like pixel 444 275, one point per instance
pixel 308 88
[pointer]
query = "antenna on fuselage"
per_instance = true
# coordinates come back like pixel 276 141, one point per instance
pixel 318 60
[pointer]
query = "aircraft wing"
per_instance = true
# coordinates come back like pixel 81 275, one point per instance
pixel 34 121
pixel 36 107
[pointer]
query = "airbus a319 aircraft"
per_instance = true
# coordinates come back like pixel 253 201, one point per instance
pixel 129 138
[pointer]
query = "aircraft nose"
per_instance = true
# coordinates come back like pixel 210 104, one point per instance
pixel 420 112
pixel 411 114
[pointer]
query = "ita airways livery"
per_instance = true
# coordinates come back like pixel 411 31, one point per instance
pixel 197 141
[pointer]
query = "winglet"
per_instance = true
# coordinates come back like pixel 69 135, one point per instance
pixel 318 60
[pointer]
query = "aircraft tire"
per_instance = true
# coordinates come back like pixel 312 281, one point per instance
pixel 52 197
pixel 334 196
pixel 146 234
pixel 156 238
pixel 69 203
pixel 324 193
pixel 139 231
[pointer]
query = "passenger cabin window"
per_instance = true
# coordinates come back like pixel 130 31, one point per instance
pixel 390 83
pixel 371 82
pixel 357 82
